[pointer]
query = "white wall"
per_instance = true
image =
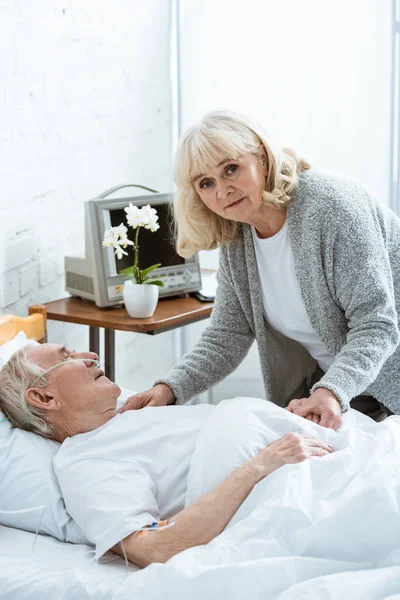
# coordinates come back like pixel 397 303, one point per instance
pixel 85 104
pixel 316 74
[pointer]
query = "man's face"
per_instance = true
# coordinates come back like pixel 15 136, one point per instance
pixel 79 387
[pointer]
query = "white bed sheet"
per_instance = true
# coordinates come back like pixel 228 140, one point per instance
pixel 56 571
pixel 324 529
pixel 329 556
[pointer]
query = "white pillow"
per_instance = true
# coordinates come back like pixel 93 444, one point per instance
pixel 29 492
pixel 30 497
pixel 8 349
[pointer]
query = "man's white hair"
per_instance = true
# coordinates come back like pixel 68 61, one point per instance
pixel 15 378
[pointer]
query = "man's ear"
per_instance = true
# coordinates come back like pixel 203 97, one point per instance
pixel 42 399
pixel 264 160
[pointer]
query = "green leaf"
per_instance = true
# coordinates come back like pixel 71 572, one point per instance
pixel 127 271
pixel 145 272
pixel 154 282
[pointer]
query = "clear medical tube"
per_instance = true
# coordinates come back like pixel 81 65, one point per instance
pixel 63 362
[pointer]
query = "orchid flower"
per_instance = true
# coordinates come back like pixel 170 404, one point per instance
pixel 117 238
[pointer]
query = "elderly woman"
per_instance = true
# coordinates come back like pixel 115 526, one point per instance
pixel 124 476
pixel 309 268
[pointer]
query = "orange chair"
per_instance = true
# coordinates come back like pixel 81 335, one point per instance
pixel 33 326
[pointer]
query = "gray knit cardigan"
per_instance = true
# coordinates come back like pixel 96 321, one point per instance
pixel 346 247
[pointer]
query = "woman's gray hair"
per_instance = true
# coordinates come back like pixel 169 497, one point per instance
pixel 223 135
pixel 16 377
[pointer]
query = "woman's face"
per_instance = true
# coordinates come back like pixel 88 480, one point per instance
pixel 233 188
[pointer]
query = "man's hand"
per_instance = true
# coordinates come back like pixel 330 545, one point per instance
pixel 290 449
pixel 159 395
pixel 321 407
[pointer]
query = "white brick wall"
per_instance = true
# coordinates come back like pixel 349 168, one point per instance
pixel 85 104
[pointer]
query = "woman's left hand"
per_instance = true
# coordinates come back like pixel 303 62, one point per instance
pixel 321 407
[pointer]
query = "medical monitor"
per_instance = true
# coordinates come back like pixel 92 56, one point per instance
pixel 98 277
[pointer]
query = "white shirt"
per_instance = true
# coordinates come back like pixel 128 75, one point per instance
pixel 129 472
pixel 283 304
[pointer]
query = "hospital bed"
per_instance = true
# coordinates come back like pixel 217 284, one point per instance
pixel 34 567
pixel 314 542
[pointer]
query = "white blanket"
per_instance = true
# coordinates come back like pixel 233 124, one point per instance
pixel 325 528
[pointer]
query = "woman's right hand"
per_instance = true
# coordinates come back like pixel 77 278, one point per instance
pixel 159 395
pixel 289 449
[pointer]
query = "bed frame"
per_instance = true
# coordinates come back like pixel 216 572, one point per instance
pixel 33 326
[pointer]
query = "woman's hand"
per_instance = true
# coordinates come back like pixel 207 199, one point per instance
pixel 159 395
pixel 321 407
pixel 291 448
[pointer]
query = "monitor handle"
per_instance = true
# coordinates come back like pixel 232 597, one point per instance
pixel 120 187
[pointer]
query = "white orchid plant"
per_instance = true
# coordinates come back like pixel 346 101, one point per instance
pixel 117 238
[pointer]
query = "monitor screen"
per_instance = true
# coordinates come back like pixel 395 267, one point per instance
pixel 155 247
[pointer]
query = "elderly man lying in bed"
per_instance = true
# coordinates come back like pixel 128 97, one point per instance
pixel 124 476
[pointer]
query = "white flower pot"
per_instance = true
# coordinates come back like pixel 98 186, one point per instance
pixel 140 299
